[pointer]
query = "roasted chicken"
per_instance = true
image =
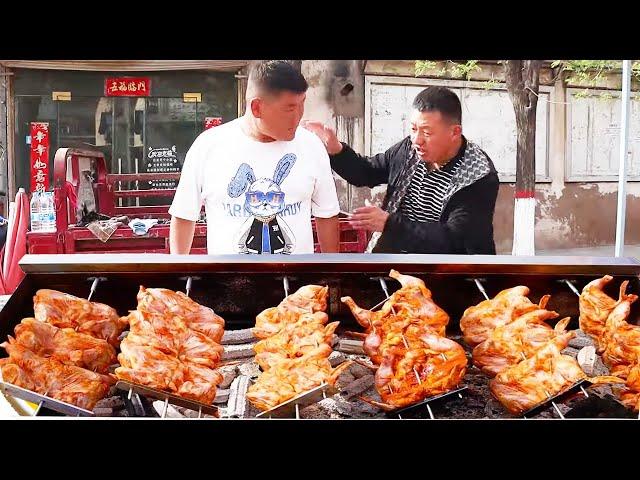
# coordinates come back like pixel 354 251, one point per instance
pixel 478 321
pixel 595 307
pixel 545 374
pixel 65 345
pixel 509 344
pixel 412 300
pixel 66 311
pixel 630 395
pixel 150 367
pixel 307 299
pixel 392 332
pixel 166 303
pixel 295 339
pixel 171 345
pixel 620 340
pixel 288 378
pixel 428 366
pixel 47 376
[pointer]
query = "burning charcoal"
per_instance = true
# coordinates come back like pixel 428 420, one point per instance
pixel 314 411
pixel 250 411
pixel 188 413
pixel 237 404
pixel 232 352
pixel 323 409
pixel 172 411
pixel 350 346
pixel 587 359
pixel 228 372
pixel 357 387
pixel 572 352
pixel 355 408
pixel 344 379
pixel 336 358
pixel 103 411
pixel 580 340
pixel 365 409
pixel 598 406
pixel 250 369
pixel 121 413
pixel 221 396
pixel 234 337
pixel 359 371
pixel 493 409
pixel 137 405
pixel 115 403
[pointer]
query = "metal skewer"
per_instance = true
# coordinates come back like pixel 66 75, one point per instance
pixel 94 285
pixel 35 413
pixel 383 284
pixel 188 287
pixel 430 412
pixel 554 405
pixel 92 290
pixel 481 288
pixel 165 408
pixel 571 286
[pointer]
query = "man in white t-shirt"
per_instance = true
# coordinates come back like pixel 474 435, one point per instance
pixel 260 177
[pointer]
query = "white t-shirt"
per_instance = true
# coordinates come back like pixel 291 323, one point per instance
pixel 259 197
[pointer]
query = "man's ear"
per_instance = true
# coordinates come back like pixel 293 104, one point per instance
pixel 457 130
pixel 256 107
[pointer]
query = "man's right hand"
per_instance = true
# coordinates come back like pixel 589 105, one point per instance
pixel 326 134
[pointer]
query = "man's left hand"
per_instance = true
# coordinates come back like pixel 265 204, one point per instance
pixel 369 218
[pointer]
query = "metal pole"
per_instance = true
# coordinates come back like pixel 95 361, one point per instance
pixel 622 167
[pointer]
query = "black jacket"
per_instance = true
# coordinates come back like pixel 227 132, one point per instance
pixel 466 223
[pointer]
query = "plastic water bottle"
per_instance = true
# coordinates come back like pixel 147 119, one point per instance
pixel 34 207
pixel 47 212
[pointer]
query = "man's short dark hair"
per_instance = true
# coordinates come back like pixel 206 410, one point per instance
pixel 439 99
pixel 275 76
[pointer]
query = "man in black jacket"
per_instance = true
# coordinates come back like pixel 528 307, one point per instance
pixel 441 188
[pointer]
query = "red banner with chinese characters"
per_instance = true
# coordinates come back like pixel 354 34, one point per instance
pixel 212 122
pixel 39 157
pixel 127 87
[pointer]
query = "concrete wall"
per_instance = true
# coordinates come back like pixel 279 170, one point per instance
pixel 568 214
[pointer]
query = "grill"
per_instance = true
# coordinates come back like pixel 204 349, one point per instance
pixel 238 288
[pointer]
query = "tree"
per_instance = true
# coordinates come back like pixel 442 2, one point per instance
pixel 522 80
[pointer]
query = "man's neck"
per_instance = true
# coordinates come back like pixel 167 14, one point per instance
pixel 249 128
pixel 451 154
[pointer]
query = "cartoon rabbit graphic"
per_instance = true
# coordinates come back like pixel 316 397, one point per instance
pixel 265 231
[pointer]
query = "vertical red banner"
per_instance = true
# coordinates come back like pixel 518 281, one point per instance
pixel 212 122
pixel 39 156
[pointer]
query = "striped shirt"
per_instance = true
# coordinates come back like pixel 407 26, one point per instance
pixel 424 200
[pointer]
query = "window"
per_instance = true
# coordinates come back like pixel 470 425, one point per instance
pixel 125 129
pixel 593 129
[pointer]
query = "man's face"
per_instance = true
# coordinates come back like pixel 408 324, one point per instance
pixel 433 137
pixel 279 114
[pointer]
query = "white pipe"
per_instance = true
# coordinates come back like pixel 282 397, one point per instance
pixel 624 154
